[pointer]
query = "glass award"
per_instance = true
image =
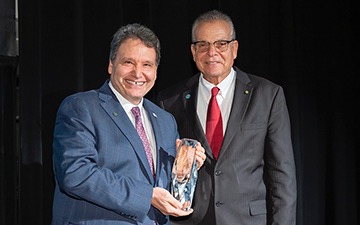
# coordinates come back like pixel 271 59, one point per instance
pixel 184 173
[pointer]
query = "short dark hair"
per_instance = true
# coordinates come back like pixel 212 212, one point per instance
pixel 135 31
pixel 211 16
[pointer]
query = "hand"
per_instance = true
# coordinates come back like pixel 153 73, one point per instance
pixel 167 204
pixel 199 153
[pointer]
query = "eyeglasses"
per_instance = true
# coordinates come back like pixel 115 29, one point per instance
pixel 204 46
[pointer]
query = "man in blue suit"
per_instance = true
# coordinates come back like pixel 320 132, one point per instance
pixel 103 173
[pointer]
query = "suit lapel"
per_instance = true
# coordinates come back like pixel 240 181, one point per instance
pixel 121 119
pixel 242 96
pixel 190 101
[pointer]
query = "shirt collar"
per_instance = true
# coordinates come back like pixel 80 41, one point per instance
pixel 224 85
pixel 124 102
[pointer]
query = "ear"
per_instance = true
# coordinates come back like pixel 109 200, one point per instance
pixel 235 48
pixel 110 67
pixel 192 48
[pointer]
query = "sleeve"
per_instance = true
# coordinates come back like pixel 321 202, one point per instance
pixel 280 175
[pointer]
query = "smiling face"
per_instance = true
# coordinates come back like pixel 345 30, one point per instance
pixel 133 71
pixel 213 64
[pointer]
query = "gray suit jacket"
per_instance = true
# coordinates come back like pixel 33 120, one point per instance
pixel 253 182
pixel 101 170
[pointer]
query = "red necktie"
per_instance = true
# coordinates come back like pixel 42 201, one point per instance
pixel 214 128
pixel 141 131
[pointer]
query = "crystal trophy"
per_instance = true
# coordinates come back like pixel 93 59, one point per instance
pixel 184 173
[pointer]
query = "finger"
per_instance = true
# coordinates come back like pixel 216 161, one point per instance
pixel 186 205
pixel 201 154
pixel 173 202
pixel 186 212
pixel 199 147
pixel 199 161
pixel 177 143
pixel 180 212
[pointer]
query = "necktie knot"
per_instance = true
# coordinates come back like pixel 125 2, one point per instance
pixel 135 111
pixel 214 91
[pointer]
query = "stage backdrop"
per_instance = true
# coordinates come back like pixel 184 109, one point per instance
pixel 306 46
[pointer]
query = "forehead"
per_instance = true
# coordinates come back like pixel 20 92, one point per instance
pixel 213 30
pixel 136 47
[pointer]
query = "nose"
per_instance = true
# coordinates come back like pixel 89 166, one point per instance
pixel 212 50
pixel 137 72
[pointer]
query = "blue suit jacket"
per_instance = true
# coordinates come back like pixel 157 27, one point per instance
pixel 101 170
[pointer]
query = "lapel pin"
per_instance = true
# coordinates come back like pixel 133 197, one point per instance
pixel 154 115
pixel 187 96
pixel 246 92
pixel 115 114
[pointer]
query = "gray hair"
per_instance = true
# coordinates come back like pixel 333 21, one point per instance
pixel 212 16
pixel 135 31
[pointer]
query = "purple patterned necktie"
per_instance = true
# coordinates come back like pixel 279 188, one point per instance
pixel 141 131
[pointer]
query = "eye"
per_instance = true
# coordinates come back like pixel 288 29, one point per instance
pixel 221 43
pixel 202 44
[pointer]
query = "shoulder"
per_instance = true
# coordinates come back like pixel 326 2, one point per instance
pixel 266 90
pixel 179 88
pixel 258 81
pixel 153 108
pixel 91 96
pixel 79 97
pixel 261 86
pixel 253 80
pixel 80 102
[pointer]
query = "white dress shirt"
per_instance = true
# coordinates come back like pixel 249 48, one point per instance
pixel 224 98
pixel 144 118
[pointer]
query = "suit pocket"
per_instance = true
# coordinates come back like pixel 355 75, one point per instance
pixel 257 207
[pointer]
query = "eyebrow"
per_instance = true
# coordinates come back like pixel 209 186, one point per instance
pixel 123 59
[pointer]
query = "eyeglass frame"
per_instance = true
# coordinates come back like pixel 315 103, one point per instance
pixel 218 41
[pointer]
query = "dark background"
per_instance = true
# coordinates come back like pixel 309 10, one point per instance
pixel 309 47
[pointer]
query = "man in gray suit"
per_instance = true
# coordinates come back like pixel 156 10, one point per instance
pixel 249 175
pixel 113 150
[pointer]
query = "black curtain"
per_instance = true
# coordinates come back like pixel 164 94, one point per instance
pixel 9 133
pixel 9 111
pixel 308 47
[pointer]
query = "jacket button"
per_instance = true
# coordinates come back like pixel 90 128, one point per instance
pixel 218 172
pixel 219 203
